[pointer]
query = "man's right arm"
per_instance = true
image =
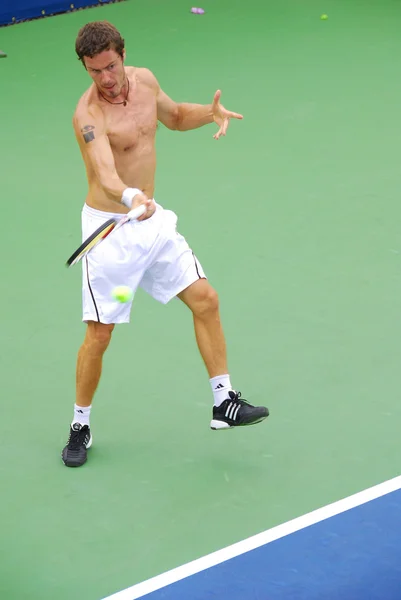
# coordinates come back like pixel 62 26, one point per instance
pixel 89 127
pixel 90 130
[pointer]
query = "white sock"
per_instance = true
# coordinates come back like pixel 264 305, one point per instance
pixel 221 385
pixel 82 414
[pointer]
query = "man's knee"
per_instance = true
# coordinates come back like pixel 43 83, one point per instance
pixel 201 298
pixel 98 335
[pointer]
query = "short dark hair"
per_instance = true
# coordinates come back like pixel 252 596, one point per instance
pixel 96 37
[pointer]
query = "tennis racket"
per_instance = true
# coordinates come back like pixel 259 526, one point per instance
pixel 102 232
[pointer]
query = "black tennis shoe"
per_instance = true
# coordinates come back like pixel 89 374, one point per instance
pixel 235 412
pixel 80 440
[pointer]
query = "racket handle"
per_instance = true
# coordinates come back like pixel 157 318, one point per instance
pixel 136 212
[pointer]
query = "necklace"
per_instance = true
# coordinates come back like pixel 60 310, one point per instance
pixel 124 102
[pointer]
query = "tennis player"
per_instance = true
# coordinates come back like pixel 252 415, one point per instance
pixel 115 125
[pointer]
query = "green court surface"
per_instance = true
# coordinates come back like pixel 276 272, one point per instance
pixel 295 216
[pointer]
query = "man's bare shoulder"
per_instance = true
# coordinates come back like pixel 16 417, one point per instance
pixel 87 106
pixel 145 76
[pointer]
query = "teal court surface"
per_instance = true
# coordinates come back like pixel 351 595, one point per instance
pixel 295 216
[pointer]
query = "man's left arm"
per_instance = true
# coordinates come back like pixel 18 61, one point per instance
pixel 185 116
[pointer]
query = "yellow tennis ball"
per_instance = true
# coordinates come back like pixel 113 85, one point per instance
pixel 324 17
pixel 122 293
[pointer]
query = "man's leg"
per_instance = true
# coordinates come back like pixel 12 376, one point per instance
pixel 228 411
pixel 203 301
pixel 90 359
pixel 89 369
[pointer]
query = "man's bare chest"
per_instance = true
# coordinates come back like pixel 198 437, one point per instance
pixel 132 125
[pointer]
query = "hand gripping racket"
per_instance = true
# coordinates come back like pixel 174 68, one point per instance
pixel 102 232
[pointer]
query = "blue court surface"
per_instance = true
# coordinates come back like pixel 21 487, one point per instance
pixel 348 550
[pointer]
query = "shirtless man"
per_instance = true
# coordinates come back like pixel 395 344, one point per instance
pixel 115 125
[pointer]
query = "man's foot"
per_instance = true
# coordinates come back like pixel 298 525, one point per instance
pixel 74 454
pixel 234 412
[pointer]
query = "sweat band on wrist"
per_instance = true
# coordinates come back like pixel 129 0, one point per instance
pixel 128 196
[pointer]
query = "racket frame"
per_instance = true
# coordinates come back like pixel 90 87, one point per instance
pixel 80 252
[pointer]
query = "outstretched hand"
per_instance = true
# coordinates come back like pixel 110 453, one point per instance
pixel 222 116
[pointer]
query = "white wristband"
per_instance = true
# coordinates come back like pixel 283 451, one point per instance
pixel 129 195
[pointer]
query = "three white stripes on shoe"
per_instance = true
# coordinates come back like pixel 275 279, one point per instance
pixel 232 411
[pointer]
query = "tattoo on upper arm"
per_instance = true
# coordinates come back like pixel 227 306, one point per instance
pixel 89 133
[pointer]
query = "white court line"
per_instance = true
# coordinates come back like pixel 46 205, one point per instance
pixel 210 560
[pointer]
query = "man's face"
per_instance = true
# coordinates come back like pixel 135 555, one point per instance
pixel 107 71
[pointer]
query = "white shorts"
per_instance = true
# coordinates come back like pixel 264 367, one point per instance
pixel 150 254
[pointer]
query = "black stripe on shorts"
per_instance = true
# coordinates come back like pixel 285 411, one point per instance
pixel 90 289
